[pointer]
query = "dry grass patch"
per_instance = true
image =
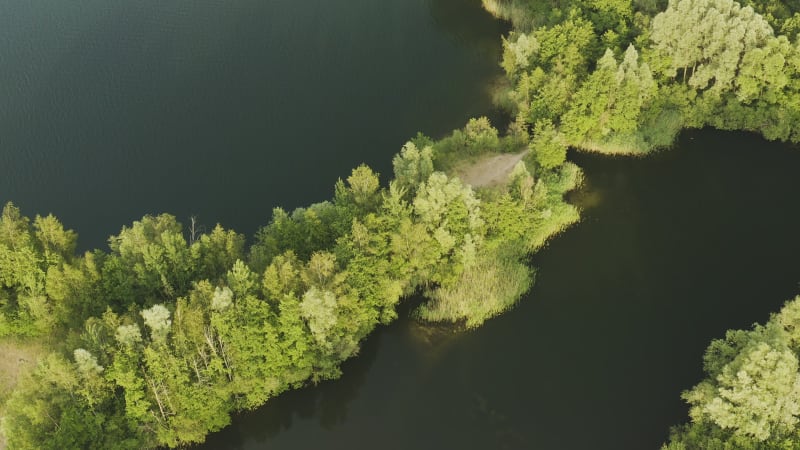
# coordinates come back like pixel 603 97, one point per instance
pixel 489 287
pixel 15 359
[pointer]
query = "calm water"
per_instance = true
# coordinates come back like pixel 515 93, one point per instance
pixel 112 109
pixel 673 250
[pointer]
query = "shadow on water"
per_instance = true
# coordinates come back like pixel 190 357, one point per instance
pixel 673 250
pixel 326 404
pixel 470 25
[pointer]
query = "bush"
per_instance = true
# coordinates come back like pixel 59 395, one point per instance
pixel 549 149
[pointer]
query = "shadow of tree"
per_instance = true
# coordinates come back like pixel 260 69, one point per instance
pixel 470 25
pixel 327 402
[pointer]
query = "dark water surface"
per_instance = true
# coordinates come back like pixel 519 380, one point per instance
pixel 112 109
pixel 673 250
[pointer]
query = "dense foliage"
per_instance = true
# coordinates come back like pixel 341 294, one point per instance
pixel 751 396
pixel 165 335
pixel 160 338
pixel 624 76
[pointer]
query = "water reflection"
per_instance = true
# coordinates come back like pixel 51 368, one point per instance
pixel 431 339
pixel 468 23
pixel 674 249
pixel 325 404
pixel 497 423
pixel 587 196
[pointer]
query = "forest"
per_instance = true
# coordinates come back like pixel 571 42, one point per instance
pixel 159 339
pixel 620 76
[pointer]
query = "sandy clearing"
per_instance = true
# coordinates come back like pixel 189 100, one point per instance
pixel 489 171
pixel 15 358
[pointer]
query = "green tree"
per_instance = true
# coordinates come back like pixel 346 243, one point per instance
pixel 519 50
pixel 609 104
pixel 313 228
pixel 706 39
pixel 361 194
pixel 451 214
pixel 44 411
pixel 319 309
pixel 548 146
pixel 150 262
pixel 27 253
pixel 765 72
pixel 216 252
pixel 75 290
pixel 751 396
pixel 56 243
pixel 412 166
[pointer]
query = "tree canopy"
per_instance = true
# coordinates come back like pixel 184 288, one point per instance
pixel 162 338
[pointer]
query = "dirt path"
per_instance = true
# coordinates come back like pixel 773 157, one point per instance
pixel 489 171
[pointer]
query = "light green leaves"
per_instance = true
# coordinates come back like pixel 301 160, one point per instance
pixel 548 145
pixel 518 51
pixel 157 319
pixel 128 335
pixel 756 395
pixel 706 39
pixel 86 362
pixel 446 202
pixel 319 309
pixel 222 299
pixel 412 166
pixel 753 388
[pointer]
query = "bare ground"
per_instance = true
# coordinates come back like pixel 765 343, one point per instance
pixel 489 171
pixel 15 359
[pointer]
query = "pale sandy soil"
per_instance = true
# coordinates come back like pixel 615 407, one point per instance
pixel 15 358
pixel 489 171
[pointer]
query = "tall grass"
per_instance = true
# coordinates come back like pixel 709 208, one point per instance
pixel 487 288
pixel 500 276
pixel 554 220
pixel 662 130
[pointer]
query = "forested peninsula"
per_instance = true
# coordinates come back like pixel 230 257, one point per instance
pixel 156 341
pixel 159 340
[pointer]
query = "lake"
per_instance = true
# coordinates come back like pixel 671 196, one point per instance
pixel 114 109
pixel 673 250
